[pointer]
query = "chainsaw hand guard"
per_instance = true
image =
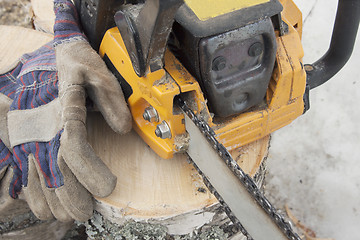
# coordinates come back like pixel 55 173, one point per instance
pixel 145 29
pixel 341 46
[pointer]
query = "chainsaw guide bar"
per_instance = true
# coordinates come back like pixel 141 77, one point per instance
pixel 243 201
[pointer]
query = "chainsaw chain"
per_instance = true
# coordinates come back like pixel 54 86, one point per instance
pixel 244 178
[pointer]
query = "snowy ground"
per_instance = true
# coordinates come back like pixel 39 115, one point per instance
pixel 314 163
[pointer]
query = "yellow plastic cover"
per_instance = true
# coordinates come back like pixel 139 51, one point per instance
pixel 206 9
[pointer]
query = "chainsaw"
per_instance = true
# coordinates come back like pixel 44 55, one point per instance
pixel 206 77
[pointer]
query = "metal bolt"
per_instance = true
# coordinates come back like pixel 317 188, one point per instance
pixel 150 114
pixel 256 49
pixel 219 63
pixel 163 131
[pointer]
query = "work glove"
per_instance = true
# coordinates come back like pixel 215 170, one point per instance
pixel 47 120
pixel 10 175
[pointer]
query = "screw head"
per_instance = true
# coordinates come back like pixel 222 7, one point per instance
pixel 256 49
pixel 219 63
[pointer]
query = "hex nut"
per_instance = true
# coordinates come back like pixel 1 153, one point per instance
pixel 163 131
pixel 150 114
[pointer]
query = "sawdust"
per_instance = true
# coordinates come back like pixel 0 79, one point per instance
pixel 204 112
pixel 182 142
pixel 164 80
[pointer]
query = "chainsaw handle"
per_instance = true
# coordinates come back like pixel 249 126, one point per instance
pixel 145 29
pixel 341 46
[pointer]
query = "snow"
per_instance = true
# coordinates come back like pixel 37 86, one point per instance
pixel 314 163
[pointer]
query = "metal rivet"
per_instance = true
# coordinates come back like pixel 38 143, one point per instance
pixel 309 68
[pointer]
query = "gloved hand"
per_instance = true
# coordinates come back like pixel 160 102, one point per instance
pixel 47 122
pixel 5 101
pixel 10 175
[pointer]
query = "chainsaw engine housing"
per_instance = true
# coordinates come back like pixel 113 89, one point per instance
pixel 232 55
pixel 186 72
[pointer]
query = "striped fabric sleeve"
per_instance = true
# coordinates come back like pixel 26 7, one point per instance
pixel 8 81
pixel 5 156
pixel 36 83
pixel 46 156
pixel 6 159
pixel 67 27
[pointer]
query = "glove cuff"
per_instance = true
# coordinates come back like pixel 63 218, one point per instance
pixel 67 26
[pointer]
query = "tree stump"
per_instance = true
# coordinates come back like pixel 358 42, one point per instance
pixel 154 198
pixel 160 192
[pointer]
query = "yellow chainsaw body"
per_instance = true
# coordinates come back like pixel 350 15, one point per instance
pixel 284 97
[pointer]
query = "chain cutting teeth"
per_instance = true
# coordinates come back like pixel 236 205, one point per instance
pixel 244 178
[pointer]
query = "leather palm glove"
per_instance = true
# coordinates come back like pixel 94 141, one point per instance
pixel 47 117
pixel 10 175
